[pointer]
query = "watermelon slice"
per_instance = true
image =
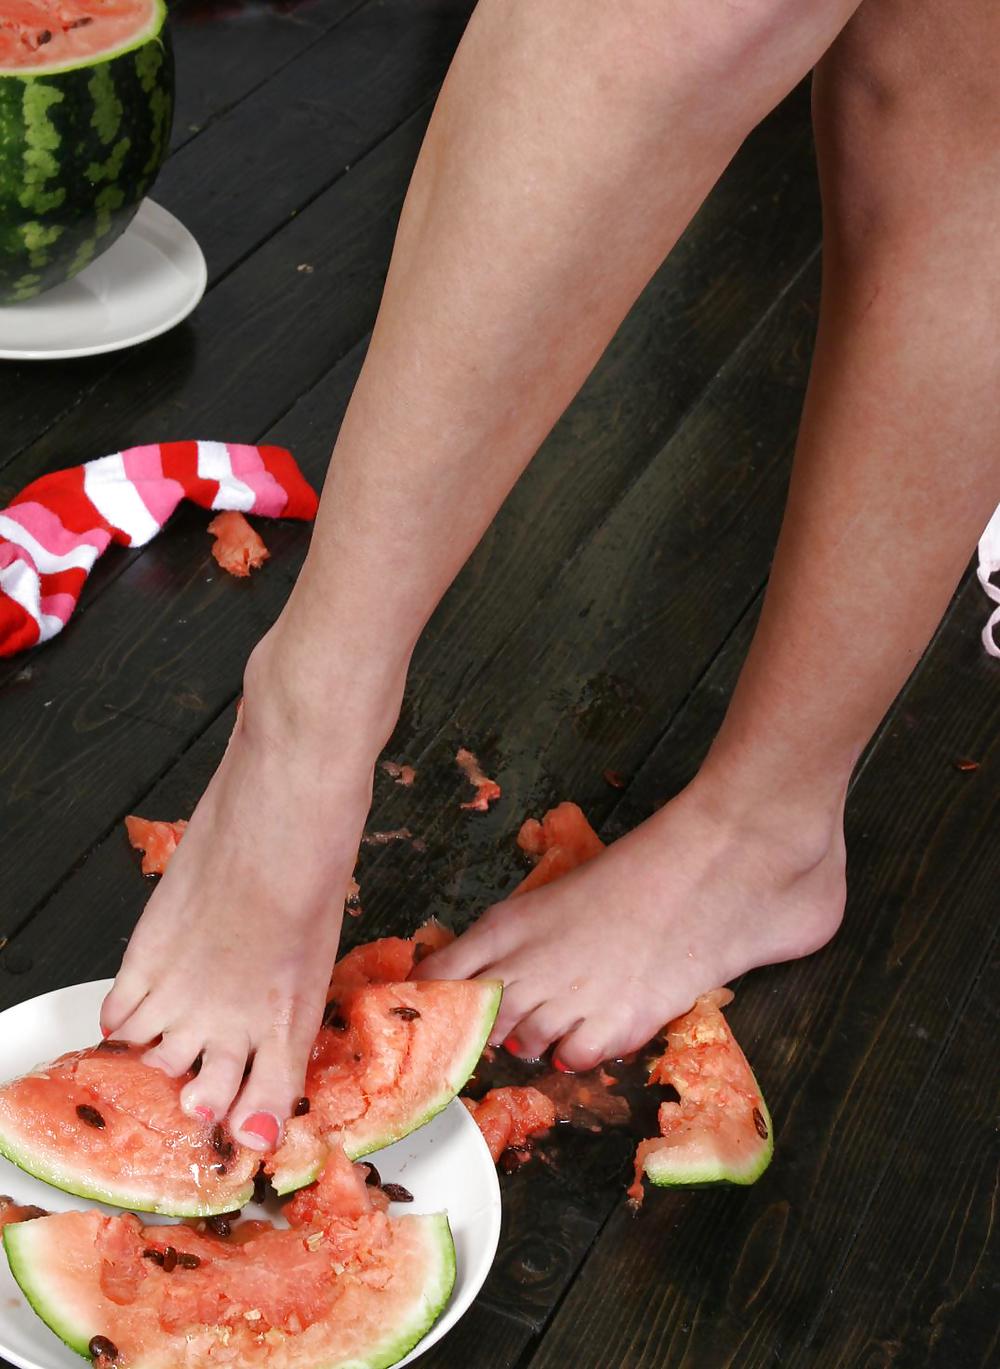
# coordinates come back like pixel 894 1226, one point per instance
pixel 340 1289
pixel 100 1124
pixel 720 1131
pixel 86 102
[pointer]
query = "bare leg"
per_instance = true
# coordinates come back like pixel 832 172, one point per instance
pixel 896 473
pixel 513 266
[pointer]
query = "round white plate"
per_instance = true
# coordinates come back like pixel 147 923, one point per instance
pixel 445 1165
pixel 145 283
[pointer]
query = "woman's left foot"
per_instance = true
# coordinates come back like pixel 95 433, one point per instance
pixel 600 960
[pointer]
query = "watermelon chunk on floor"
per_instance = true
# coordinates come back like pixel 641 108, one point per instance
pixel 720 1131
pixel 100 1124
pixel 334 1291
pixel 559 843
pixel 86 103
pixel 509 1116
pixel 238 548
pixel 157 840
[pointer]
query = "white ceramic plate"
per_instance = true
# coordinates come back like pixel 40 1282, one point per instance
pixel 445 1165
pixel 145 283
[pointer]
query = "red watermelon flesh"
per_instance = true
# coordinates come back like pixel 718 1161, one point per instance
pixel 508 1117
pixel 345 1285
pixel 720 1130
pixel 100 1124
pixel 156 840
pixel 561 841
pixel 41 33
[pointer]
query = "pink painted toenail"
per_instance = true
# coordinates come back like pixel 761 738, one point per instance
pixel 105 1032
pixel 265 1125
pixel 206 1114
pixel 513 1045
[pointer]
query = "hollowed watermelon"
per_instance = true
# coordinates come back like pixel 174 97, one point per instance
pixel 86 104
pixel 391 1057
pixel 338 1290
pixel 720 1130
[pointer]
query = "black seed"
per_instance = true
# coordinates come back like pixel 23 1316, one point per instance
pixel 396 1193
pixel 102 1350
pixel 372 1177
pixel 219 1226
pixel 196 1065
pixel 220 1168
pixel 90 1115
pixel 221 1143
pixel 302 1107
pixel 332 1017
pixel 187 1261
pixel 357 1055
pixel 259 1185
pixel 113 1047
pixel 760 1124
pixel 407 1014
pixel 82 22
pixel 151 1253
pixel 169 1259
pixel 44 37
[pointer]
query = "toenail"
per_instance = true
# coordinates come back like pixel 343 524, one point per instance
pixel 513 1045
pixel 105 1032
pixel 206 1114
pixel 265 1125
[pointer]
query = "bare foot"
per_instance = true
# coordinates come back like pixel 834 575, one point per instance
pixel 600 960
pixel 232 956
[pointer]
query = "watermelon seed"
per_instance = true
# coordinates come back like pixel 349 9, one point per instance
pixel 372 1177
pixel 259 1185
pixel 407 1014
pixel 396 1193
pixel 90 1115
pixel 187 1261
pixel 82 22
pixel 169 1259
pixel 112 1047
pixel 102 1350
pixel 221 1143
pixel 151 1253
pixel 44 37
pixel 219 1226
pixel 196 1065
pixel 760 1124
pixel 302 1107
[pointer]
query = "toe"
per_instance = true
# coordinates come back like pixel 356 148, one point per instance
pixel 210 1094
pixel 270 1093
pixel 532 1037
pixel 175 1053
pixel 122 1000
pixel 493 936
pixel 146 1024
pixel 586 1046
pixel 520 998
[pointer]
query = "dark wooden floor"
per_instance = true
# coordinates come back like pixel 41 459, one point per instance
pixel 600 624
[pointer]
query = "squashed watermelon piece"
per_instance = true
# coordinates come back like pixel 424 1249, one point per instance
pixel 561 841
pixel 101 1124
pixel 509 1116
pixel 720 1131
pixel 11 1212
pixel 333 1291
pixel 487 790
pixel 157 840
pixel 238 548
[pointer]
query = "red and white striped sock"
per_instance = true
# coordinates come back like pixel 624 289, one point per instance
pixel 56 528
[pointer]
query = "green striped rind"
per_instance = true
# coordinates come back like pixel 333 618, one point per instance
pixel 65 1176
pixel 357 1143
pixel 60 1306
pixel 667 1170
pixel 79 148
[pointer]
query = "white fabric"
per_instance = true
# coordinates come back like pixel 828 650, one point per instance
pixel 215 463
pixel 115 498
pixel 989 564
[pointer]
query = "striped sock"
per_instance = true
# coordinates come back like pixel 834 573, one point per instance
pixel 55 529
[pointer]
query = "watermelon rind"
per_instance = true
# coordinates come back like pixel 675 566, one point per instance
pixel 76 1181
pixel 357 1144
pixel 670 1168
pixel 59 1304
pixel 81 144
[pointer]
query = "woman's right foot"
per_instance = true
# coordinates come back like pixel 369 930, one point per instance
pixel 232 955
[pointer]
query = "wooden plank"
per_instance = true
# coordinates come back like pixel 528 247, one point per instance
pixel 224 53
pixel 843 1043
pixel 243 179
pixel 179 661
pixel 936 1307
